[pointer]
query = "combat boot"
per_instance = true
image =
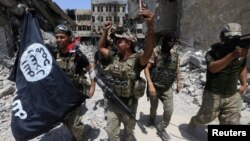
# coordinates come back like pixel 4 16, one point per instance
pixel 191 126
pixel 162 133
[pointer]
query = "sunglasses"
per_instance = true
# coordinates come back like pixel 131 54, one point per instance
pixel 62 28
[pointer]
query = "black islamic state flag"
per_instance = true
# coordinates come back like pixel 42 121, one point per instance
pixel 45 95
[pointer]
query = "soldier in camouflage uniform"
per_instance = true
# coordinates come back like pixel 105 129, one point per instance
pixel 226 64
pixel 123 75
pixel 73 62
pixel 163 66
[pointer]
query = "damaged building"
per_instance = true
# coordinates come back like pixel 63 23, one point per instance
pixel 49 15
pixel 167 16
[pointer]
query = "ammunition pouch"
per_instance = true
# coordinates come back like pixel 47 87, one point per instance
pixel 139 87
pixel 164 79
pixel 122 88
pixel 82 84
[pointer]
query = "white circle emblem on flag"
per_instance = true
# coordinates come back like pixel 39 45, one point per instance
pixel 36 62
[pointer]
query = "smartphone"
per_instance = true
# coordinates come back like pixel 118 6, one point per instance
pixel 142 4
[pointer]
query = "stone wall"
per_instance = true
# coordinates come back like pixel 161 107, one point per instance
pixel 201 20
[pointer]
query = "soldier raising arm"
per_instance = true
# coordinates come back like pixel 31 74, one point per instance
pixel 148 16
pixel 124 71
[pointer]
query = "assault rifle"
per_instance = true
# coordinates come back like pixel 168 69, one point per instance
pixel 107 91
pixel 242 41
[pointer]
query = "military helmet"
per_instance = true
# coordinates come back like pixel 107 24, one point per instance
pixel 125 33
pixel 231 29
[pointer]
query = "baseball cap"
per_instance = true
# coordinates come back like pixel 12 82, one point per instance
pixel 231 29
pixel 125 33
pixel 63 29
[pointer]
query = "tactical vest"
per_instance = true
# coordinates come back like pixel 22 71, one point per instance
pixel 122 78
pixel 165 70
pixel 68 65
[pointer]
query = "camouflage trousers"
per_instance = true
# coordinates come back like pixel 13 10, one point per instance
pixel 74 124
pixel 116 116
pixel 227 109
pixel 166 97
